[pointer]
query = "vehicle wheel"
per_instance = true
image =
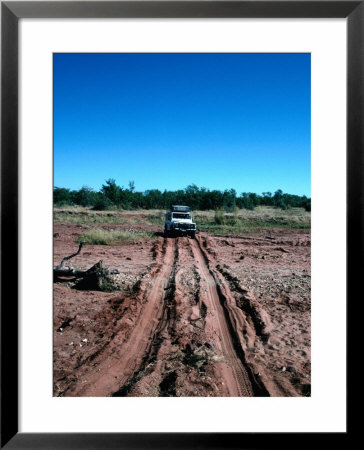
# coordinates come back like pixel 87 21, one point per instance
pixel 193 234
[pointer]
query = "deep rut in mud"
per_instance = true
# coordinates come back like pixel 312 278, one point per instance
pixel 188 339
pixel 235 373
pixel 121 359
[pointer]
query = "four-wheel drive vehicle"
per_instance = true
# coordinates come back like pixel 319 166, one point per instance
pixel 179 222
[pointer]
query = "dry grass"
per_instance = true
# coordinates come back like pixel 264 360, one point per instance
pixel 101 237
pixel 241 221
pixel 247 222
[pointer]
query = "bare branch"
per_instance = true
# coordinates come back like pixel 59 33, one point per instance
pixel 66 258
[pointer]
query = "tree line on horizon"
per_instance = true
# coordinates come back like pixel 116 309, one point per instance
pixel 112 196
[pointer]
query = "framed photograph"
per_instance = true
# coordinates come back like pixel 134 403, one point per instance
pixel 158 160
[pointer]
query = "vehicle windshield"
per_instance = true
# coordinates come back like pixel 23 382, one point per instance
pixel 181 216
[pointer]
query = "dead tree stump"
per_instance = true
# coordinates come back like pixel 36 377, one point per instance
pixel 94 278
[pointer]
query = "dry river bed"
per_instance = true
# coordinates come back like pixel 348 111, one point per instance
pixel 211 316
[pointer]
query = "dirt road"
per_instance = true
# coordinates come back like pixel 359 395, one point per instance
pixel 185 328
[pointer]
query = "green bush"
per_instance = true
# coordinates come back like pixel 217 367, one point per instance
pixel 103 204
pixel 234 219
pixel 307 205
pixel 219 217
pixel 113 195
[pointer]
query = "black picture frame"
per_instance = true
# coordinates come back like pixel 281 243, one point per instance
pixel 11 12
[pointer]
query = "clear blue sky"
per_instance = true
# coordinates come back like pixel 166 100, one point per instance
pixel 165 121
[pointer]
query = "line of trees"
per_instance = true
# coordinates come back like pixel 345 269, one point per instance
pixel 113 196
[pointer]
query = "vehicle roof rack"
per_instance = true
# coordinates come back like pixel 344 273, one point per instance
pixel 180 208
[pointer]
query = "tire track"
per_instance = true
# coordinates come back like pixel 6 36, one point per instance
pixel 178 348
pixel 172 315
pixel 153 372
pixel 115 371
pixel 260 319
pixel 241 323
pixel 236 375
pixel 159 335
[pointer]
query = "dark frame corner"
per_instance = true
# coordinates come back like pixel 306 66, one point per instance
pixel 11 12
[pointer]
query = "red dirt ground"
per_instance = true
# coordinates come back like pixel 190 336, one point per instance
pixel 211 316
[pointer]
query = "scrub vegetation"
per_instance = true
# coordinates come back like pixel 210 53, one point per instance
pixel 112 197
